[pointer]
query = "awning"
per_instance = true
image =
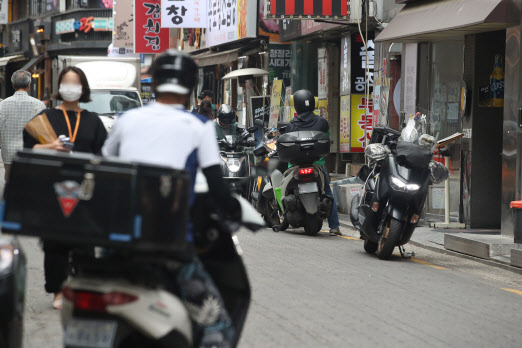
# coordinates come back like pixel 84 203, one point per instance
pixel 5 60
pixel 449 19
pixel 32 63
pixel 209 58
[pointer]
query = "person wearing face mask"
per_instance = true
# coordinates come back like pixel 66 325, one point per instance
pixel 86 133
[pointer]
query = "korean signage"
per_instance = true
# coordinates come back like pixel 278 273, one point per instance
pixel 344 126
pixel 16 39
pixel 345 65
pixel 362 58
pixel 279 57
pixel 361 124
pixel 275 103
pixel 148 35
pixel 298 9
pixel 222 21
pixel 322 78
pixel 123 14
pixel 84 24
pixel 147 95
pixel 184 13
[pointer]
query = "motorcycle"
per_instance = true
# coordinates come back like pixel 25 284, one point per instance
pixel 122 289
pixel 237 158
pixel 262 197
pixel 299 191
pixel 399 171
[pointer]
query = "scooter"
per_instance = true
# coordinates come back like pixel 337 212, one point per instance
pixel 121 300
pixel 397 177
pixel 262 197
pixel 237 158
pixel 299 191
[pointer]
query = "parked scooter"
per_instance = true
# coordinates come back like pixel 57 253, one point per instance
pixel 237 158
pixel 300 190
pixel 263 198
pixel 399 172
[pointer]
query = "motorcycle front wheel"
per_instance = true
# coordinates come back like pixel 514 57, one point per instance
pixel 272 217
pixel 389 238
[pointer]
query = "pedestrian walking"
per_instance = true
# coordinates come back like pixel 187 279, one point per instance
pixel 87 133
pixel 15 112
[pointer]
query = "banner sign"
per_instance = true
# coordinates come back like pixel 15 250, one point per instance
pixel 358 61
pixel 123 34
pixel 260 108
pixel 322 78
pixel 84 24
pixel 222 22
pixel 148 35
pixel 299 9
pixel 275 103
pixel 184 13
pixel 345 65
pixel 361 124
pixel 344 127
pixel 279 57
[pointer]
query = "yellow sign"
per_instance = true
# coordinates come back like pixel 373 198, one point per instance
pixel 344 126
pixel 275 103
pixel 322 105
pixel 361 124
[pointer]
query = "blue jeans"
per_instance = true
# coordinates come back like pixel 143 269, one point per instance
pixel 333 219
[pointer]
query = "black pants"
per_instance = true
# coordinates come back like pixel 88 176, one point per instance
pixel 56 264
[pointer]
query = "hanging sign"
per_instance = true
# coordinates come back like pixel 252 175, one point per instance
pixel 359 54
pixel 344 128
pixel 279 58
pixel 322 78
pixel 345 65
pixel 148 35
pixel 123 34
pixel 275 103
pixel 361 124
pixel 299 9
pixel 184 14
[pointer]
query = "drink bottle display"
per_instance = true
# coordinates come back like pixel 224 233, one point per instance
pixel 497 83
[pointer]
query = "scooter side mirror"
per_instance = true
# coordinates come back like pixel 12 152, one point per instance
pixel 364 173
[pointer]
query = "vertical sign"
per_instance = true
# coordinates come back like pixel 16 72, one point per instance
pixel 4 10
pixel 275 103
pixel 345 65
pixel 359 55
pixel 410 79
pixel 345 124
pixel 222 18
pixel 184 14
pixel 148 35
pixel 279 57
pixel 361 124
pixel 322 78
pixel 123 32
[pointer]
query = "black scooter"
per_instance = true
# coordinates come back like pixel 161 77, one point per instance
pixel 396 184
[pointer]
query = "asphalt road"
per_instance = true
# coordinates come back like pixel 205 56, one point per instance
pixel 327 292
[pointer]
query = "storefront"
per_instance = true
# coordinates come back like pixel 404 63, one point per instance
pixel 453 66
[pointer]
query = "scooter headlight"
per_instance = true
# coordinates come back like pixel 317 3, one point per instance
pixel 234 164
pixel 399 185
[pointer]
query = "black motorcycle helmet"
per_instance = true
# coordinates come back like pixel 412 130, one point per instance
pixel 226 114
pixel 304 101
pixel 174 72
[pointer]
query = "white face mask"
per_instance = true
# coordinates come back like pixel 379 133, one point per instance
pixel 70 92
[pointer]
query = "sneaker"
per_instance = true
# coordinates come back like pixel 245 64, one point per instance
pixel 335 232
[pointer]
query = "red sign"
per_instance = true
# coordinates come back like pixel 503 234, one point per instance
pixel 149 37
pixel 307 9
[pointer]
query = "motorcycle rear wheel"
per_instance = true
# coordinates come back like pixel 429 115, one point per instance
pixel 312 225
pixel 389 238
pixel 272 213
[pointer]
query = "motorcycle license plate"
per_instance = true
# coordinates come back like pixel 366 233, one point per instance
pixel 309 187
pixel 90 333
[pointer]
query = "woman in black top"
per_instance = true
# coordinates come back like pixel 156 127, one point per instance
pixel 87 132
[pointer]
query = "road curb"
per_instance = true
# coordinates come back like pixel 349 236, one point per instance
pixel 491 263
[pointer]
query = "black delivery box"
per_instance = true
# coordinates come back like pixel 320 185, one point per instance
pixel 82 199
pixel 303 146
